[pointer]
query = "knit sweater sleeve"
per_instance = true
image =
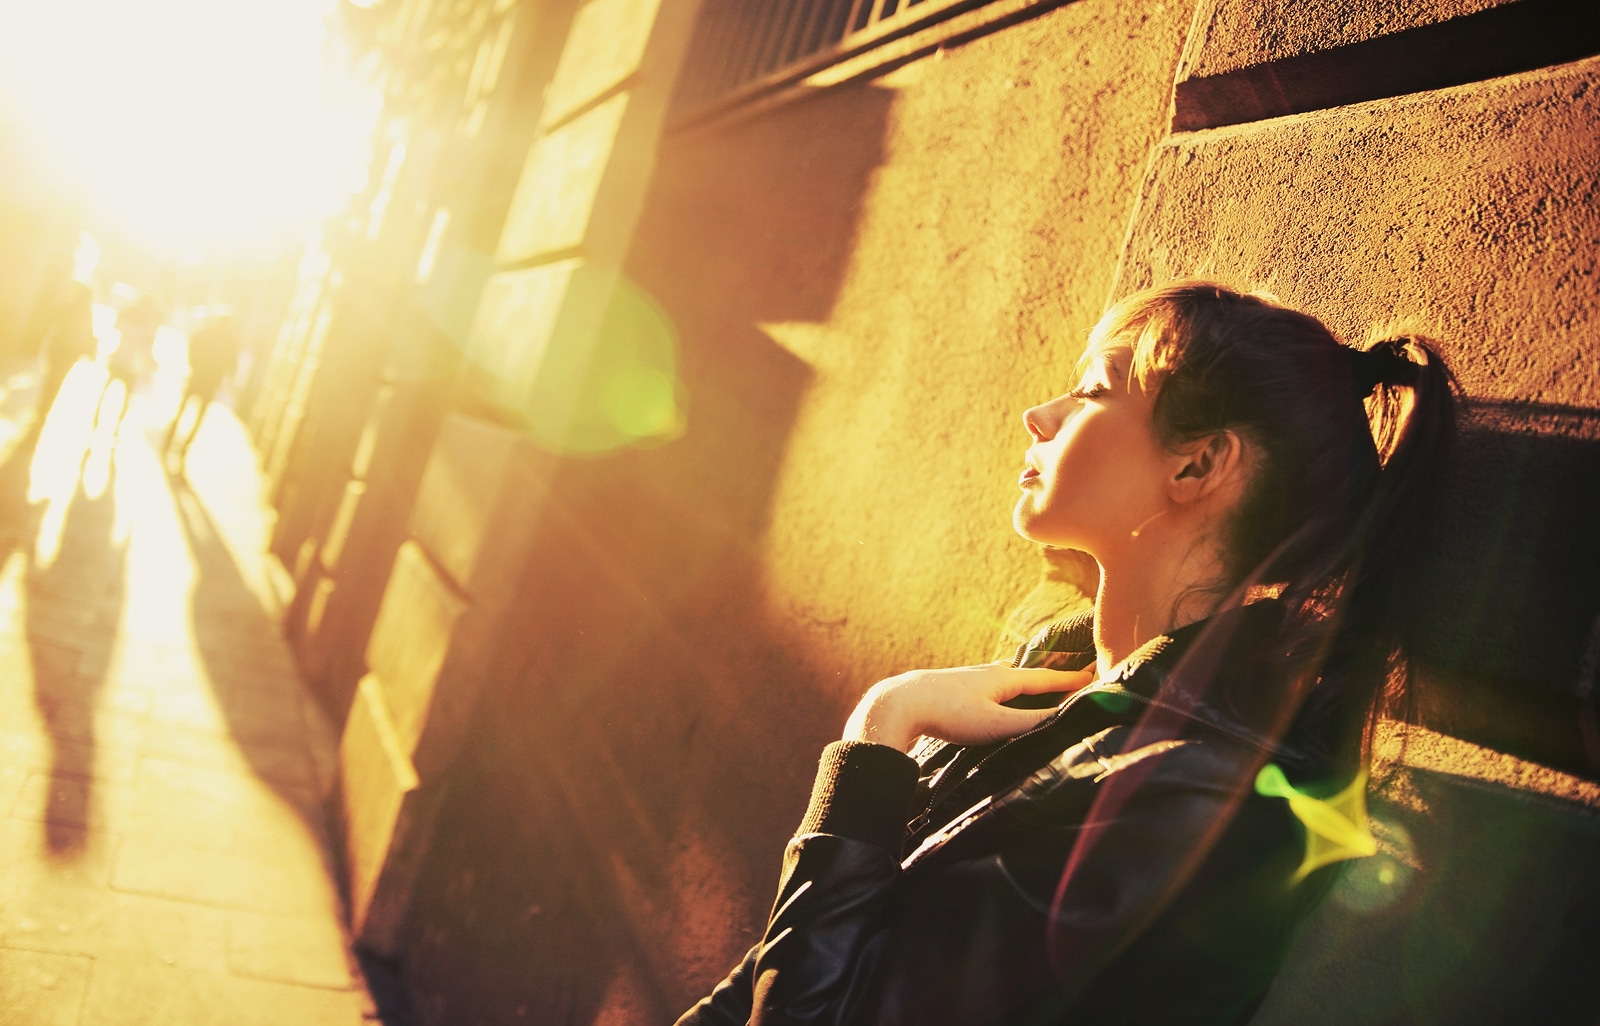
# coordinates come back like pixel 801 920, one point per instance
pixel 863 791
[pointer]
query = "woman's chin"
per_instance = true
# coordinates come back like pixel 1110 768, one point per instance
pixel 1026 522
pixel 1022 517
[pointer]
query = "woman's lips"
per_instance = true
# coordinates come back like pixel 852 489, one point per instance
pixel 1027 475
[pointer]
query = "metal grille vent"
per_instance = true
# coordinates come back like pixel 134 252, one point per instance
pixel 744 49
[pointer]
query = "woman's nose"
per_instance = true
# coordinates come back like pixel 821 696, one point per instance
pixel 1039 422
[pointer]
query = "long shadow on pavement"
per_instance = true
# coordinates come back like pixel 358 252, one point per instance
pixel 251 675
pixel 73 605
pixel 74 608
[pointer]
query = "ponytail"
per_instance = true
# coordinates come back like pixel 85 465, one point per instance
pixel 1410 396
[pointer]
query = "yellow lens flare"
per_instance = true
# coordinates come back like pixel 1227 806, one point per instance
pixel 187 124
pixel 1336 827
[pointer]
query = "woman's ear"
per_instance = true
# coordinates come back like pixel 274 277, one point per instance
pixel 1214 462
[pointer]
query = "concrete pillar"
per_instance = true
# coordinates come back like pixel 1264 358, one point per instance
pixel 575 207
pixel 437 628
pixel 443 614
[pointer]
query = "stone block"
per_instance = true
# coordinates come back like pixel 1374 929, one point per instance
pixel 412 636
pixel 1231 35
pixel 22 841
pixel 375 777
pixel 339 529
pixel 272 760
pixel 158 868
pixel 1421 206
pixel 63 799
pixel 42 989
pixel 1247 64
pixel 229 811
pixel 604 48
pixel 1247 61
pixel 518 315
pixel 12 780
pixel 479 479
pixel 390 461
pixel 51 915
pixel 559 183
pixel 533 341
pixel 130 995
pixel 530 334
pixel 308 950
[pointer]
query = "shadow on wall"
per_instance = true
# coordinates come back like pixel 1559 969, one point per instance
pixel 1514 590
pixel 624 763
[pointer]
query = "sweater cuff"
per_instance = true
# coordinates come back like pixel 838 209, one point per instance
pixel 863 791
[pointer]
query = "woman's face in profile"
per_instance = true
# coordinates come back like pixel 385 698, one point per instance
pixel 1096 471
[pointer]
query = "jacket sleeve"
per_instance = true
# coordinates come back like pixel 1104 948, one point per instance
pixel 963 935
pixel 859 805
pixel 729 1002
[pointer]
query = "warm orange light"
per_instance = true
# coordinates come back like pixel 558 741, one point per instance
pixel 190 124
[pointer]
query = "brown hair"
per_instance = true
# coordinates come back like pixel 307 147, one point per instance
pixel 1348 447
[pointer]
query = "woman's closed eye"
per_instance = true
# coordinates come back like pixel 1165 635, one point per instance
pixel 1083 393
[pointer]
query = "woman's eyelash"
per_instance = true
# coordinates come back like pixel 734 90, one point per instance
pixel 1087 392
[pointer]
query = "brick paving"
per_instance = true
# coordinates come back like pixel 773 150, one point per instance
pixel 162 848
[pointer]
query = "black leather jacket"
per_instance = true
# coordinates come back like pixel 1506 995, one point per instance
pixel 1178 913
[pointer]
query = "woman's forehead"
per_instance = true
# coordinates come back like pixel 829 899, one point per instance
pixel 1112 358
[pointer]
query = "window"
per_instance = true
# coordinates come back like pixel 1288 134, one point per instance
pixel 743 52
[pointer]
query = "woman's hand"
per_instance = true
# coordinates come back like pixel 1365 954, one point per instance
pixel 961 704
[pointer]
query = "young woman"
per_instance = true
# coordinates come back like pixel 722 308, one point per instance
pixel 1076 838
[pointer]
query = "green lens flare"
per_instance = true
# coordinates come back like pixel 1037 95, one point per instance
pixel 640 401
pixel 1111 701
pixel 1376 883
pixel 587 364
pixel 629 393
pixel 1336 827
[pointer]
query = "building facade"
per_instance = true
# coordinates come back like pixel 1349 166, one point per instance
pixel 663 394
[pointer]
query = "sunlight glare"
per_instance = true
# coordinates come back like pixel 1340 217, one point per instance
pixel 188 123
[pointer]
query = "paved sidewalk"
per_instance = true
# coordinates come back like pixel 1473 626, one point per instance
pixel 162 850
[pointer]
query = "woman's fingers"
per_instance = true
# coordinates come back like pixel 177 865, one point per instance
pixel 1032 681
pixel 961 704
pixel 1019 721
pixel 996 723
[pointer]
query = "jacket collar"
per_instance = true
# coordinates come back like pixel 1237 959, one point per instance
pixel 1237 701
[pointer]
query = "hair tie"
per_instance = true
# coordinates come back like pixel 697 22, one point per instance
pixel 1386 363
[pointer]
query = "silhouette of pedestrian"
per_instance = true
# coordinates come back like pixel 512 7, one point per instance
pixel 213 353
pixel 133 357
pixel 67 338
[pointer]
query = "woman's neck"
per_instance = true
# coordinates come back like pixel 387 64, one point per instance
pixel 1137 603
